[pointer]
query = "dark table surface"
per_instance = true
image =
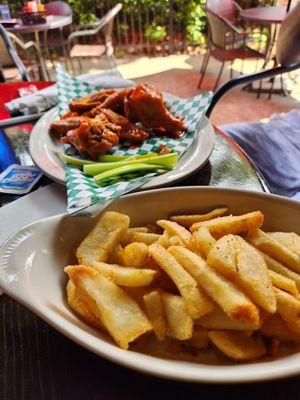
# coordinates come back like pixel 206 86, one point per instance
pixel 38 363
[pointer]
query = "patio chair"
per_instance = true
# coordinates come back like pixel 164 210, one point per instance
pixel 10 42
pixel 104 25
pixel 273 147
pixel 227 37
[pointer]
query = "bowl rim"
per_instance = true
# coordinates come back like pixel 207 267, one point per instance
pixel 164 368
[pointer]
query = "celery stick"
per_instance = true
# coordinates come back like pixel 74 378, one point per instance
pixel 112 158
pixel 166 161
pixel 125 169
pixel 77 162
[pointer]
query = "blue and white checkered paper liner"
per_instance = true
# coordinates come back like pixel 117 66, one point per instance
pixel 81 189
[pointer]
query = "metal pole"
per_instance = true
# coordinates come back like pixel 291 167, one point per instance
pixel 288 5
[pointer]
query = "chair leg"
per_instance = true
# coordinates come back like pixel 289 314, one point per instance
pixel 203 68
pixel 219 76
pixel 231 69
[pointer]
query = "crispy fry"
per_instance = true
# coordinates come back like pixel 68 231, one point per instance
pixel 100 242
pixel 289 309
pixel 179 321
pixel 135 254
pixel 175 241
pixel 202 241
pixel 155 312
pixel 274 249
pixel 175 229
pixel 224 225
pixel 238 346
pixel 229 297
pixel 80 305
pixel 188 220
pixel 276 266
pixel 120 314
pixel 234 258
pixel 147 238
pixel 126 276
pixel 274 327
pixel 197 302
pixel 289 239
pixel 284 283
pixel 218 319
pixel 164 239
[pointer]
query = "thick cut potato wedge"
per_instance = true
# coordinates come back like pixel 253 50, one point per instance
pixel 284 283
pixel 276 266
pixel 202 241
pixel 101 241
pixel 289 309
pixel 120 314
pixel 218 319
pixel 175 229
pixel 135 254
pixel 179 321
pixel 289 239
pixel 274 249
pixel 225 293
pixel 231 224
pixel 234 258
pixel 80 305
pixel 126 276
pixel 237 345
pixel 274 327
pixel 117 255
pixel 155 312
pixel 197 302
pixel 188 220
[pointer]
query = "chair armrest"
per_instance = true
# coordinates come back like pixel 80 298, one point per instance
pixel 85 33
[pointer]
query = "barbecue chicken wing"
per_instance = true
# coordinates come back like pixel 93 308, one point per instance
pixel 91 101
pixel 145 104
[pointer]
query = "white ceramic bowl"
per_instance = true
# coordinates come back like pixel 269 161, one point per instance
pixel 32 262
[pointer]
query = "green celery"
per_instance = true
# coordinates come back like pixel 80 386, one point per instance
pixel 124 170
pixel 166 161
pixel 111 158
pixel 76 162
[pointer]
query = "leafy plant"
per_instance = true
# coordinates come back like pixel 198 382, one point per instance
pixel 155 32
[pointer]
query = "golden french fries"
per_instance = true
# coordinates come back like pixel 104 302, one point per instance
pixel 274 249
pixel 218 319
pixel 189 283
pixel 231 224
pixel 232 300
pixel 284 283
pixel 135 254
pixel 188 220
pixel 288 239
pixel 196 301
pixel 237 345
pixel 126 276
pixel 202 241
pixel 155 312
pixel 175 229
pixel 179 321
pixel 100 242
pixel 120 314
pixel 234 258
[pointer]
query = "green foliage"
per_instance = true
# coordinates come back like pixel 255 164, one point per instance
pixel 155 32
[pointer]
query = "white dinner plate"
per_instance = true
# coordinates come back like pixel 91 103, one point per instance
pixel 32 262
pixel 45 150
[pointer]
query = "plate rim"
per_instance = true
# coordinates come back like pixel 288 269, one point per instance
pixel 151 184
pixel 144 363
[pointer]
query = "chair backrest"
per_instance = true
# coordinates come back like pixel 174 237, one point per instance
pixel 288 46
pixel 13 54
pixel 58 8
pixel 217 10
pixel 108 18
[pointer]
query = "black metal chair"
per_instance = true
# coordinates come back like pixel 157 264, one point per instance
pixel 10 40
pixel 287 56
pixel 288 59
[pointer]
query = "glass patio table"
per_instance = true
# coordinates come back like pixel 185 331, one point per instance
pixel 39 363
